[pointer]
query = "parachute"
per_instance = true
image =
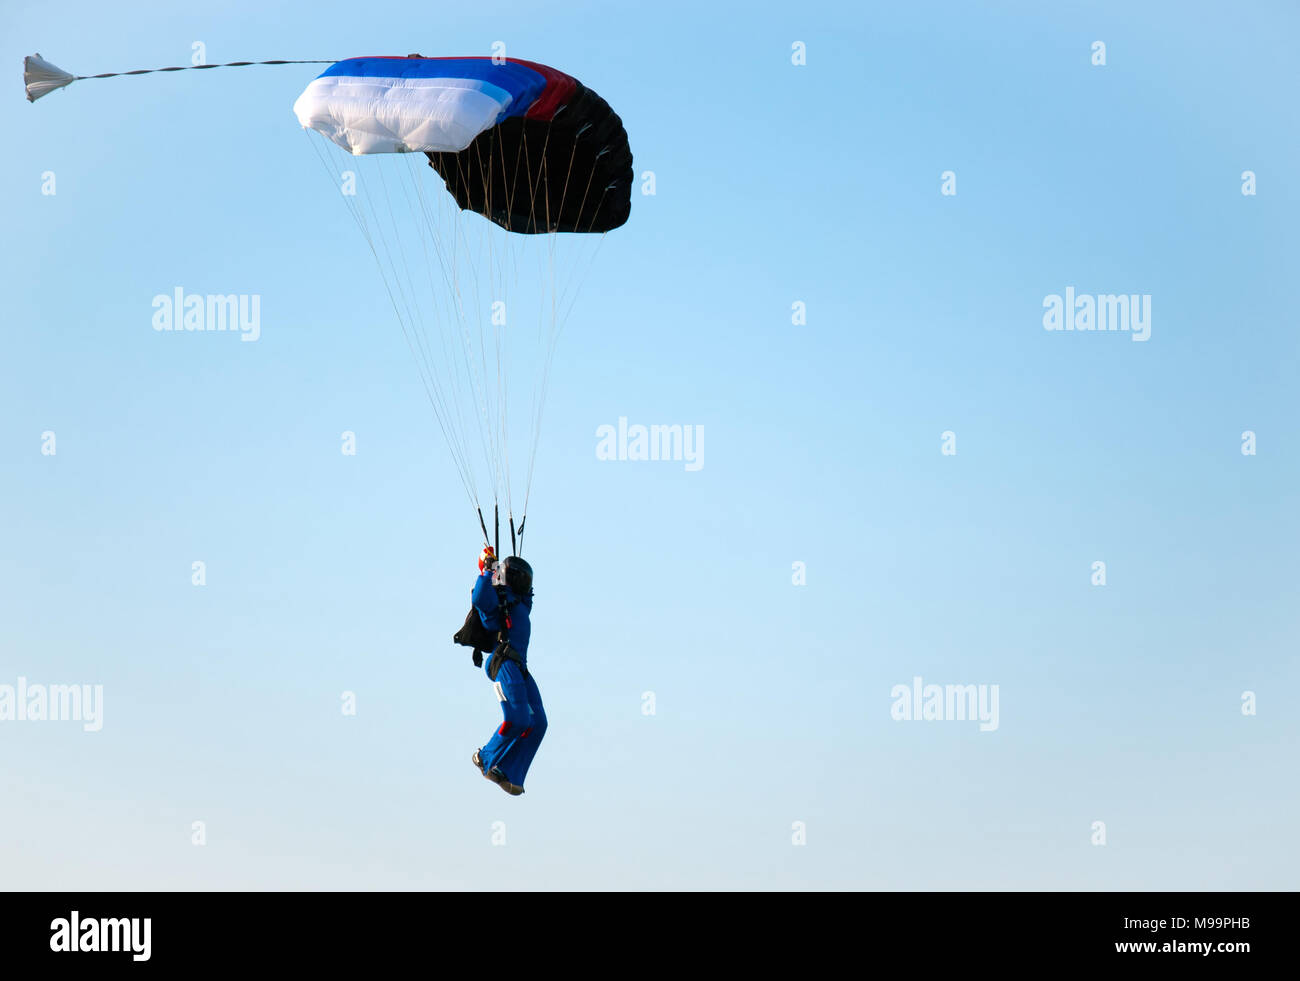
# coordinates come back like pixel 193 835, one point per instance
pixel 532 150
pixel 537 154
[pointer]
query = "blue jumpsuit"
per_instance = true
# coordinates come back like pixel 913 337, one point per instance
pixel 514 744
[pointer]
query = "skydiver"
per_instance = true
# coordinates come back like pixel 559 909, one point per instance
pixel 503 600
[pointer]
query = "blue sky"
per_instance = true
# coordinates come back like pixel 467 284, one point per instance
pixel 774 184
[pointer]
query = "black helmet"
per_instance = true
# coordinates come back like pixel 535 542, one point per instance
pixel 518 576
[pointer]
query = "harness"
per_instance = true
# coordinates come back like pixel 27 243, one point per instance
pixel 474 634
pixel 504 652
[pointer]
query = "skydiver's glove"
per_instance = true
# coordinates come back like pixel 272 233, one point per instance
pixel 487 559
pixel 478 658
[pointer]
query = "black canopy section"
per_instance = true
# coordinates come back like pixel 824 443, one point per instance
pixel 572 173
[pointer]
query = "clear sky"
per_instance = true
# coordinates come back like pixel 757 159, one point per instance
pixel 776 184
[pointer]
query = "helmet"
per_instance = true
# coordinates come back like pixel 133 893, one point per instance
pixel 518 576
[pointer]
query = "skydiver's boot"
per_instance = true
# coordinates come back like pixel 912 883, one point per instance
pixel 500 779
pixel 494 774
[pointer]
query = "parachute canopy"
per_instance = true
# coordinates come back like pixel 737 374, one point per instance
pixel 40 78
pixel 522 144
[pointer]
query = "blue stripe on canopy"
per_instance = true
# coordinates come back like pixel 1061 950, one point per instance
pixel 523 84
